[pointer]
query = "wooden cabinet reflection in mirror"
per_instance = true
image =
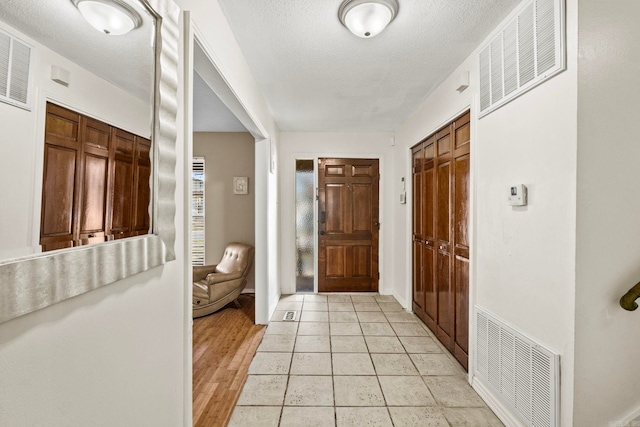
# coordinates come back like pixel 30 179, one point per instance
pixel 95 181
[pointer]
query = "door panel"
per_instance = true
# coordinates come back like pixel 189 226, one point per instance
pixel 417 188
pixel 429 279
pixel 122 196
pixel 461 201
pixel 362 206
pixel 96 141
pixel 418 281
pixel 461 220
pixel 335 212
pixel 445 318
pixel 121 216
pixel 59 181
pixel 461 338
pixel 141 222
pixel 94 194
pixel 336 257
pixel 348 225
pixel 429 232
pixel 60 186
pixel 443 206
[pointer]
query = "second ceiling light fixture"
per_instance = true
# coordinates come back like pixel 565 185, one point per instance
pixel 367 18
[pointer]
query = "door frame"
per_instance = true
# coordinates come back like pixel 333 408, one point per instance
pixel 469 105
pixel 288 170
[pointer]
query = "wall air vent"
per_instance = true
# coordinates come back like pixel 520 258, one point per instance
pixel 526 51
pixel 15 64
pixel 522 372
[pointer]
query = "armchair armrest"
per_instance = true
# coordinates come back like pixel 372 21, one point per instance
pixel 214 278
pixel 201 271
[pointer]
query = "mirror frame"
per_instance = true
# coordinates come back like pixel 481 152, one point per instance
pixel 31 283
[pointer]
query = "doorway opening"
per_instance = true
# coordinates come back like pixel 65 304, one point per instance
pixel 305 252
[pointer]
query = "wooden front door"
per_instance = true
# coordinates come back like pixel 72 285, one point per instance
pixel 348 201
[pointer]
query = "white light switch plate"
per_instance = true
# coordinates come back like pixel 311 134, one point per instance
pixel 518 195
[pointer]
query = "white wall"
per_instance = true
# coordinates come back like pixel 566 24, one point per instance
pixel 229 217
pixel 219 43
pixel 22 139
pixel 296 145
pixel 523 259
pixel 112 356
pixel 109 357
pixel 607 384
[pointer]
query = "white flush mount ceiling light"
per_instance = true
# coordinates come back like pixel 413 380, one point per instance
pixel 367 18
pixel 113 17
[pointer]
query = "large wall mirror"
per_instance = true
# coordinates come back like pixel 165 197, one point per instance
pixel 119 84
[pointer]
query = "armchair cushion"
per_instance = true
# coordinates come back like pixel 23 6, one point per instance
pixel 214 278
pixel 201 271
pixel 235 258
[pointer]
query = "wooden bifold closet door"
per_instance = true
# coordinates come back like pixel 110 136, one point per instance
pixel 441 167
pixel 95 181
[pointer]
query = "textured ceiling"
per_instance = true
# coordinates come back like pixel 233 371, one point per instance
pixel 317 76
pixel 126 61
pixel 209 113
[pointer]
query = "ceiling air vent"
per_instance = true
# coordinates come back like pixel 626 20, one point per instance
pixel 15 63
pixel 526 51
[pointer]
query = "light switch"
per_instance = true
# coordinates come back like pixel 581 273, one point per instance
pixel 518 195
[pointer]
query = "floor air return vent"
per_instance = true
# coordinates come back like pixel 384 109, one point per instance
pixel 289 316
pixel 523 373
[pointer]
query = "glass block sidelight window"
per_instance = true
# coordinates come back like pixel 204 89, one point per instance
pixel 305 271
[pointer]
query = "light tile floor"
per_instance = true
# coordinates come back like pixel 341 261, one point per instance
pixel 355 360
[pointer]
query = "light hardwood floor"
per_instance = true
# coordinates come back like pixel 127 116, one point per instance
pixel 224 344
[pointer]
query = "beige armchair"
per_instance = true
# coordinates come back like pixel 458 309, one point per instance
pixel 215 286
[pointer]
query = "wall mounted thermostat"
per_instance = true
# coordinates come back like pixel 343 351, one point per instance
pixel 518 195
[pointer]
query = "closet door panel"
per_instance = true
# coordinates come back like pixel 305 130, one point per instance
pixel 429 217
pixel 417 188
pixel 140 220
pixel 94 194
pixel 59 190
pixel 122 198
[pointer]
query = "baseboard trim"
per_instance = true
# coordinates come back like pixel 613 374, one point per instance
pixel 631 419
pixel 401 300
pixel 248 291
pixel 508 418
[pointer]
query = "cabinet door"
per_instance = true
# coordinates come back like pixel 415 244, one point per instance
pixel 445 318
pixel 141 187
pixel 57 229
pixel 60 177
pixel 461 215
pixel 418 238
pixel 122 193
pixel 96 138
pixel 429 232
